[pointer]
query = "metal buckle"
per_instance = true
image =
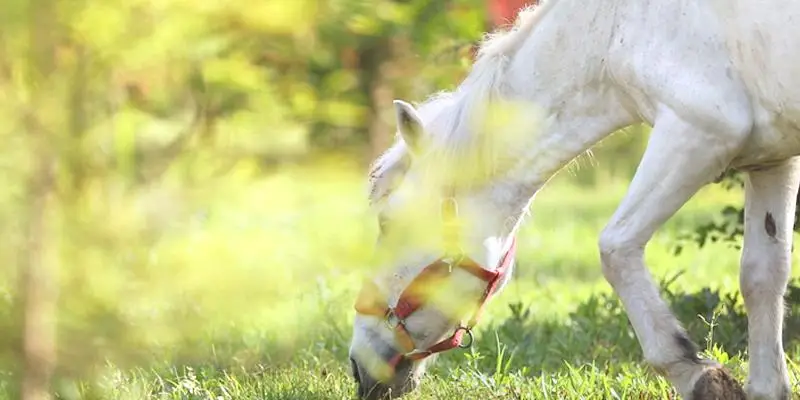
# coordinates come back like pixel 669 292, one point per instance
pixel 392 320
pixel 468 331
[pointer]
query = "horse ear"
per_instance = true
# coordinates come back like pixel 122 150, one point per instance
pixel 408 124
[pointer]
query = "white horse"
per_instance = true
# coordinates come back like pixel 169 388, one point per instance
pixel 718 81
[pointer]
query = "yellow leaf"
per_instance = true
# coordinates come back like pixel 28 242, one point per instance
pixel 363 25
pixel 234 71
pixel 101 26
pixel 280 16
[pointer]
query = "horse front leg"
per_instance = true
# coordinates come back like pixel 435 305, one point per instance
pixel 679 160
pixel 765 268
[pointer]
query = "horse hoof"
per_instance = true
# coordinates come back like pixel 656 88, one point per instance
pixel 717 384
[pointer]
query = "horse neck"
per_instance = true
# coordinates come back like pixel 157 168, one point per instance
pixel 563 69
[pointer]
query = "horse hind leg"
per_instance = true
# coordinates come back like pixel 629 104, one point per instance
pixel 765 267
pixel 679 160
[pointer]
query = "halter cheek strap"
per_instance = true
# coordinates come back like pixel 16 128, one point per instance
pixel 414 296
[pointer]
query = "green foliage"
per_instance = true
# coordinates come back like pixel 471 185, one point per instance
pixel 598 331
pixel 729 226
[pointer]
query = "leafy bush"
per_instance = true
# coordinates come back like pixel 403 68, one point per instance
pixel 730 227
pixel 598 331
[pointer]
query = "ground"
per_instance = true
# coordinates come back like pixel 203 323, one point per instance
pixel 276 322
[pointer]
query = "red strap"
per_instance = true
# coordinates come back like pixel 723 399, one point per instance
pixel 477 271
pixel 449 343
pixel 415 295
pixel 493 279
pixel 508 258
pixel 369 302
pixel 452 342
pixel 501 271
pixel 396 360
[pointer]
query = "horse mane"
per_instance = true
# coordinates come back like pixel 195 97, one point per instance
pixel 453 119
pixel 502 42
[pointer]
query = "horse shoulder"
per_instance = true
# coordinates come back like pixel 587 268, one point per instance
pixel 676 57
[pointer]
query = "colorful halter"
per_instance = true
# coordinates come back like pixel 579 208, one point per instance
pixel 370 301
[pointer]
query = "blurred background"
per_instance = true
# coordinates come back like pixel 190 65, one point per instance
pixel 185 185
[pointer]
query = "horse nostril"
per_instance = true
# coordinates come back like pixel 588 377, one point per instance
pixel 360 390
pixel 354 366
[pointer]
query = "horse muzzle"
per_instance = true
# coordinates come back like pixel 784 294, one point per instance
pixel 370 388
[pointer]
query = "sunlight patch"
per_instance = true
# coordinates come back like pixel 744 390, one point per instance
pixel 495 144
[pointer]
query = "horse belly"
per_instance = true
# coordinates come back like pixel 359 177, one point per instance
pixel 764 45
pixel 775 137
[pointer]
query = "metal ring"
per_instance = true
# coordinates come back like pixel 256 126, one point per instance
pixel 468 331
pixel 392 320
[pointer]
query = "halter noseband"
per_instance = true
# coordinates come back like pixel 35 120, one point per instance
pixel 412 298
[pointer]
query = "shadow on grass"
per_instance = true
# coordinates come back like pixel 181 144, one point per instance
pixel 598 332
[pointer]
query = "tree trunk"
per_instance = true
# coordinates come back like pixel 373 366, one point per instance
pixel 38 284
pixel 77 120
pixel 39 291
pixel 380 131
pixel 374 57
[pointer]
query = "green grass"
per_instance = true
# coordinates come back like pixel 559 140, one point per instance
pixel 255 302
